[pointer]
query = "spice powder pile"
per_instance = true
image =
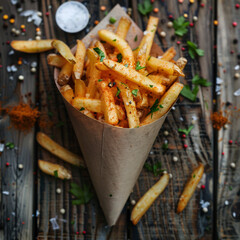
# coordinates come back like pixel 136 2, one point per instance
pixel 218 120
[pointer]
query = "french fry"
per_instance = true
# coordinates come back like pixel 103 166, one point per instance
pixel 165 103
pixel 120 112
pixel 93 105
pixel 64 50
pixel 59 151
pixel 130 106
pixel 108 104
pixel 148 198
pixel 164 67
pixel 33 46
pixel 118 43
pixel 55 60
pixel 80 57
pixel 80 88
pixel 93 74
pixel 135 77
pixel 169 54
pixel 65 74
pixel 99 45
pixel 54 169
pixel 88 113
pixel 143 103
pixel 123 27
pixel 160 79
pixel 67 93
pixel 190 187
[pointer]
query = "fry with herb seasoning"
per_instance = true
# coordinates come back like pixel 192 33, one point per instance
pixel 190 187
pixel 93 105
pixel 123 27
pixel 148 198
pixel 169 54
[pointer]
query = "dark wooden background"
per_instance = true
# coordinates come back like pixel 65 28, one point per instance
pixel 32 199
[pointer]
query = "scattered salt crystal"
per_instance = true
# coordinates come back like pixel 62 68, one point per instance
pixel 170 175
pixel 237 67
pixel 218 88
pixel 14 68
pixel 159 57
pixel 234 214
pixel 53 221
pixel 14 2
pixel 2 147
pixel 37 213
pixel 151 152
pixel 11 52
pixel 32 16
pixel 145 33
pixel 11 78
pixel 219 80
pixel 226 202
pixel 133 202
pixel 204 204
pixel 173 108
pixel 27 13
pixel 13 213
pixel 34 64
pixel 63 220
pixel 181 119
pixel 5 192
pixel 9 69
pixel 237 93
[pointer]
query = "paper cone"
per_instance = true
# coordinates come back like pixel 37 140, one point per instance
pixel 114 156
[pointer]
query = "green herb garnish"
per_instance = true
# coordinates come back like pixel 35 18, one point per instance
pixel 155 107
pixel 100 53
pixel 99 80
pixel 134 92
pixel 135 49
pixel 193 50
pixel 83 195
pixel 105 13
pixel 138 67
pixel 180 26
pixel 151 86
pixel 118 92
pixel 149 58
pixel 119 57
pixel 112 20
pixel 145 7
pixel 10 145
pixel 186 131
pixel 194 175
pixel 55 173
pixel 136 38
pixel 197 80
pixel 165 146
pixel 81 109
pixel 155 168
pixel 190 94
pixel 114 40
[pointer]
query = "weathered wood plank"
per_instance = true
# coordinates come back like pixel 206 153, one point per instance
pixel 229 179
pixel 17 207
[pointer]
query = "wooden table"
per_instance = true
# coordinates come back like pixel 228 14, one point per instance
pixel 32 201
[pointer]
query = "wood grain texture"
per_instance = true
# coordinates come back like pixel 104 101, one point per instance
pixel 17 207
pixel 229 178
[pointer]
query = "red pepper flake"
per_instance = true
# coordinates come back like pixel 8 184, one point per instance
pixel 234 24
pixel 152 1
pixel 170 16
pixel 224 70
pixel 7 42
pixel 237 6
pixel 183 48
pixel 191 24
pixel 23 29
pixel 230 141
pixel 232 52
pixel 23 223
pixel 202 5
pixel 8 219
pixel 223 153
pixel 184 136
pixel 185 146
pixel 203 187
pixel 7 164
pixel 77 233
pixel 1 66
pixel 47 14
pixel 178 42
pixel 84 232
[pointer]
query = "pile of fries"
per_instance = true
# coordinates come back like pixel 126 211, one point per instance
pixel 112 83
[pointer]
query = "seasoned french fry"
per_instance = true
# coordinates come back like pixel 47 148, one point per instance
pixel 80 56
pixel 54 169
pixel 80 88
pixel 129 104
pixel 190 187
pixel 65 74
pixel 164 67
pixel 166 101
pixel 64 50
pixel 123 27
pixel 160 79
pixel 143 103
pixel 88 113
pixel 67 93
pixel 135 77
pixel 33 46
pixel 118 43
pixel 120 112
pixel 169 54
pixel 93 105
pixel 59 151
pixel 93 74
pixel 56 60
pixel 108 104
pixel 99 45
pixel 148 198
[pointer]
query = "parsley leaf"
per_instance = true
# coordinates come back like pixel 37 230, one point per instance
pixel 180 26
pixel 155 168
pixel 81 109
pixel 190 94
pixel 197 80
pixel 134 92
pixel 136 38
pixel 145 7
pixel 112 20
pixel 105 13
pixel 55 173
pixel 114 40
pixel 193 50
pixel 135 48
pixel 100 53
pixel 118 92
pixel 165 146
pixel 119 57
pixel 99 80
pixel 138 67
pixel 151 86
pixel 10 145
pixel 155 108
pixel 83 195
pixel 186 131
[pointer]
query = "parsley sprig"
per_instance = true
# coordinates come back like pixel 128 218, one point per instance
pixel 180 26
pixel 100 53
pixel 119 57
pixel 186 131
pixel 83 195
pixel 118 92
pixel 193 50
pixel 145 7
pixel 135 92
pixel 156 168
pixel 138 66
pixel 197 80
pixel 155 107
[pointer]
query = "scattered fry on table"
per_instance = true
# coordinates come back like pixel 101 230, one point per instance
pixel 56 60
pixel 148 198
pixel 190 187
pixel 169 54
pixel 59 151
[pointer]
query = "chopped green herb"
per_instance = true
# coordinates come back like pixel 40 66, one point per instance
pixel 55 173
pixel 119 57
pixel 83 195
pixel 118 92
pixel 99 80
pixel 145 7
pixel 193 50
pixel 114 40
pixel 194 175
pixel 126 65
pixel 138 67
pixel 151 86
pixel 102 41
pixel 186 131
pixel 105 13
pixel 112 20
pixel 190 94
pixel 136 38
pixel 155 168
pixel 60 124
pixel 100 53
pixel 10 145
pixel 134 92
pixel 197 80
pixel 154 108
pixel 135 48
pixel 165 146
pixel 149 58
pixel 81 109
pixel 180 26
pixel 160 105
pixel 124 84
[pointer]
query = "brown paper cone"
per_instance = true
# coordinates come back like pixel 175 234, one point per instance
pixel 114 156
